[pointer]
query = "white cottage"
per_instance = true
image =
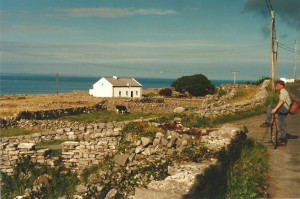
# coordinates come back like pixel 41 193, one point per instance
pixel 116 87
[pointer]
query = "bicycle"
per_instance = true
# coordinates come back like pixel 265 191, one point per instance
pixel 274 131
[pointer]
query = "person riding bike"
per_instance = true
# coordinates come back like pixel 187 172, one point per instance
pixel 282 108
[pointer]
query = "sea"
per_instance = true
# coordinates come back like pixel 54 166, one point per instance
pixel 47 84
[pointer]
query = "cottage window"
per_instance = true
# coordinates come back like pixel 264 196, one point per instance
pixel 126 93
pixel 136 93
pixel 120 93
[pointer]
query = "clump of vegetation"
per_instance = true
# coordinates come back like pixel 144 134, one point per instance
pixel 247 177
pixel 63 182
pixel 195 153
pixel 167 92
pixel 220 92
pixel 133 132
pixel 140 129
pixel 243 94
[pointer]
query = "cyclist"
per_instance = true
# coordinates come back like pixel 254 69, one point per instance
pixel 282 108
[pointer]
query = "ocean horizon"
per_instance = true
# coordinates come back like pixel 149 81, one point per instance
pixel 46 84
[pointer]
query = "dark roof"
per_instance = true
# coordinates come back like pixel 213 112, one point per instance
pixel 123 82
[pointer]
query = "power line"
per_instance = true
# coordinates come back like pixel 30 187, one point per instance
pixel 288 48
pixel 269 5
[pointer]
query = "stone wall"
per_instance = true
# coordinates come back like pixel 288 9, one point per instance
pixel 102 136
pixel 11 153
pixel 47 114
pixel 199 180
pixel 208 106
pixel 95 141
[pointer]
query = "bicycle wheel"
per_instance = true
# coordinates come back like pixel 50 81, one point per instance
pixel 274 135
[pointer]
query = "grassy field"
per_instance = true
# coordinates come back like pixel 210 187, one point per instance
pixel 11 104
pixel 107 116
pixel 16 132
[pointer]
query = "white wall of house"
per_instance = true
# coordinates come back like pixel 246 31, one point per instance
pixel 127 91
pixel 102 88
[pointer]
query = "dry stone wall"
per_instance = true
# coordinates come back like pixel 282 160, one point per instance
pixel 102 137
pixel 47 114
pixel 96 141
pixel 195 180
pixel 11 153
pixel 208 106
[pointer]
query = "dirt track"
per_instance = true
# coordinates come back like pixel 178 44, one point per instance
pixel 284 161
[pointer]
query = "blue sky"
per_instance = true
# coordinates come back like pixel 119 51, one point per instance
pixel 143 38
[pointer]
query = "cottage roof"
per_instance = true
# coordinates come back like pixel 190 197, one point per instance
pixel 123 82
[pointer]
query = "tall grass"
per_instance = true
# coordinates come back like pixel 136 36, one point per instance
pixel 243 94
pixel 248 176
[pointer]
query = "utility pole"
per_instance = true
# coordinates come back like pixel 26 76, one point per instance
pixel 295 60
pixel 274 49
pixel 56 84
pixel 234 76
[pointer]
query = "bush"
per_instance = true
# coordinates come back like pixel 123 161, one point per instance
pixel 167 92
pixel 195 85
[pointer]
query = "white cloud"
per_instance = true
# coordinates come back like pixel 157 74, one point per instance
pixel 185 52
pixel 4 14
pixel 34 28
pixel 112 12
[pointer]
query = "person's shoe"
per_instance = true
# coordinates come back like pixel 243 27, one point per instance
pixel 282 142
pixel 265 124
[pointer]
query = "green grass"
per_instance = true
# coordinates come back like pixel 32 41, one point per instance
pixel 53 145
pixel 46 144
pixel 107 116
pixel 10 132
pixel 248 176
pixel 239 115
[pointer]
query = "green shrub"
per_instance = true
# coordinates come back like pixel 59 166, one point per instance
pixel 195 85
pixel 167 92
